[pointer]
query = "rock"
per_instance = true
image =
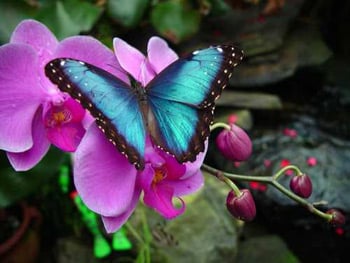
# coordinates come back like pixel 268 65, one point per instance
pixel 244 118
pixel 263 39
pixel 302 47
pixel 251 100
pixel 265 249
pixel 72 250
pixel 256 34
pixel 204 233
pixel 329 175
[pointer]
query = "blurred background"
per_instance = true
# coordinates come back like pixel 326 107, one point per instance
pixel 291 93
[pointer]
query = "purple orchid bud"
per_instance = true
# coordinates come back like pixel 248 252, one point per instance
pixel 338 217
pixel 234 144
pixel 242 206
pixel 301 185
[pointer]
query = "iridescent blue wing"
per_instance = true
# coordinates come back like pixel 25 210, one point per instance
pixel 182 99
pixel 111 101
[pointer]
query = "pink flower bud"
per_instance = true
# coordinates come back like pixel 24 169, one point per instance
pixel 241 207
pixel 301 185
pixel 338 218
pixel 234 144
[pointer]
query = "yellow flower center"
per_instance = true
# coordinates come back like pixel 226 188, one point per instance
pixel 59 117
pixel 159 175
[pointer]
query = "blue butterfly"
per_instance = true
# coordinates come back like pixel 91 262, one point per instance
pixel 175 108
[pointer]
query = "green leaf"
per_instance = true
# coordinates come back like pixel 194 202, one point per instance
pixel 68 17
pixel 17 185
pixel 173 20
pixel 127 12
pixel 11 13
pixel 219 7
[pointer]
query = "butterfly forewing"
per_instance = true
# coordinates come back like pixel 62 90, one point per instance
pixel 182 99
pixel 109 100
pixel 197 79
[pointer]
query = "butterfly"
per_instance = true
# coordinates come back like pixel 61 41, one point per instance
pixel 175 108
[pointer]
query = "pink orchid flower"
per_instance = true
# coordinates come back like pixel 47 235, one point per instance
pixel 104 178
pixel 33 111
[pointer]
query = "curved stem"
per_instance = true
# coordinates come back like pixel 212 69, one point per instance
pixel 238 177
pixel 233 186
pixel 272 180
pixel 219 125
pixel 134 233
pixel 286 168
pixel 301 201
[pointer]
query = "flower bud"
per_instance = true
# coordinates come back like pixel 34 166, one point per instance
pixel 301 185
pixel 338 218
pixel 234 144
pixel 242 206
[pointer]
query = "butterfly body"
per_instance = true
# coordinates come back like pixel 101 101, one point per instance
pixel 175 109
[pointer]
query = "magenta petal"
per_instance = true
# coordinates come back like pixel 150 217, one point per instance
pixel 145 178
pixel 146 74
pixel 92 51
pixel 66 136
pixel 159 198
pixel 88 120
pixel 103 177
pixel 160 55
pixel 192 168
pixel 26 160
pixel 174 169
pixel 113 223
pixel 129 57
pixel 20 96
pixel 38 36
pixel 187 186
pixel 151 155
pixel 77 111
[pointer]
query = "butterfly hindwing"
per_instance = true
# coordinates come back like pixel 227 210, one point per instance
pixel 108 99
pixel 180 129
pixel 182 99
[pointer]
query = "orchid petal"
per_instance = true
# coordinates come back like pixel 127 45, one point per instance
pixel 187 186
pixel 67 136
pixel 160 199
pixel 88 120
pixel 160 55
pixel 112 224
pixel 90 50
pixel 129 58
pixel 145 178
pixel 193 167
pixel 38 36
pixel 103 177
pixel 175 170
pixel 20 96
pixel 26 160
pixel 76 110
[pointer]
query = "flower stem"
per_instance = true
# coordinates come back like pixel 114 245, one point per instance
pixel 238 177
pixel 219 125
pixel 134 233
pixel 286 168
pixel 272 180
